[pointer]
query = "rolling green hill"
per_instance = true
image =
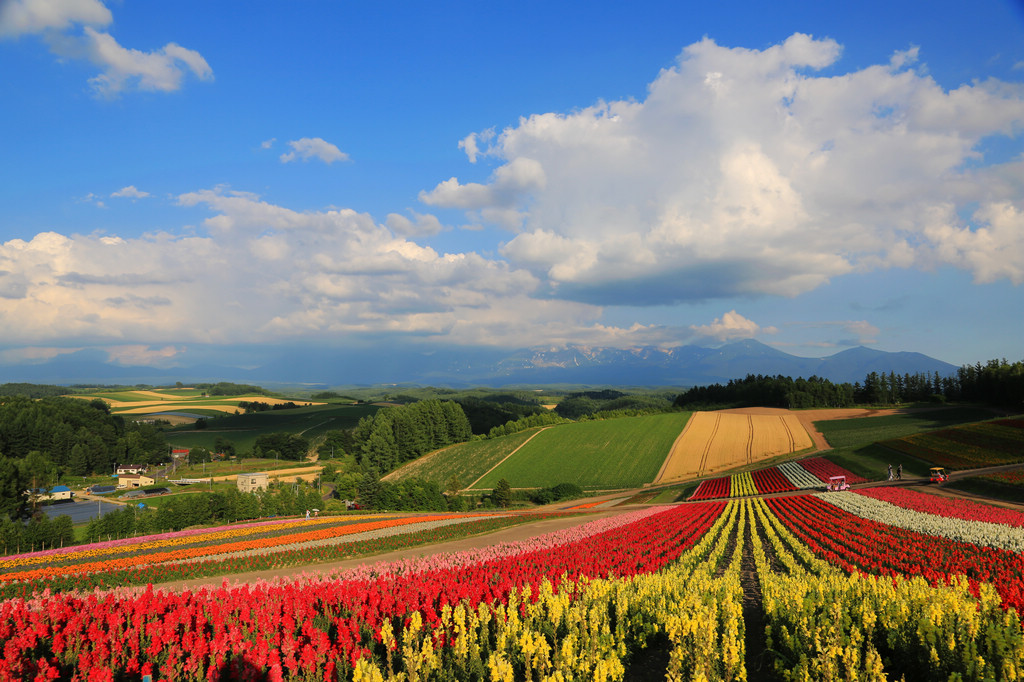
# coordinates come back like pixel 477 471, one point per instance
pixel 465 461
pixel 243 429
pixel 614 453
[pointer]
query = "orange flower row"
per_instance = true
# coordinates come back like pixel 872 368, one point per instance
pixel 86 552
pixel 122 563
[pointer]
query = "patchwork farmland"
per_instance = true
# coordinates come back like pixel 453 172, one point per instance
pixel 738 583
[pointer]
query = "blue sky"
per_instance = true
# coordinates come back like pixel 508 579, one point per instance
pixel 183 180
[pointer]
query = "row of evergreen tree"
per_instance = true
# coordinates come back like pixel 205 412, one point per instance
pixel 768 391
pixel 395 435
pixel 997 382
pixel 41 532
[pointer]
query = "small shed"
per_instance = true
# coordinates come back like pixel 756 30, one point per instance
pixel 130 469
pixel 56 493
pixel 250 483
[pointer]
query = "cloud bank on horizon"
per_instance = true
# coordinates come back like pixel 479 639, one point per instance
pixel 745 178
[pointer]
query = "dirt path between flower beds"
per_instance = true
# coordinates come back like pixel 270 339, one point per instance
pixel 516 533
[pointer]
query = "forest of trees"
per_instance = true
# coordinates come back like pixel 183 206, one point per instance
pixel 998 382
pixel 77 436
pixel 768 391
pixel 496 410
pixel 396 435
pixel 609 402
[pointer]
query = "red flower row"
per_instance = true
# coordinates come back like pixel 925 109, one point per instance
pixel 823 469
pixel 771 481
pixel 860 545
pixel 713 488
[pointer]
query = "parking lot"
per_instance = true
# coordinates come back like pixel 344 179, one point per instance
pixel 80 511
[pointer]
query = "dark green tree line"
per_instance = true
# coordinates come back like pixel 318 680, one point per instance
pixel 768 391
pixel 79 437
pixel 396 435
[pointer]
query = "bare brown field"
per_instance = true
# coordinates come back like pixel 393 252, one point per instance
pixel 715 441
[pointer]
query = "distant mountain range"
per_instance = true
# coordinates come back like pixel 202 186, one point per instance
pixel 578 365
pixel 697 365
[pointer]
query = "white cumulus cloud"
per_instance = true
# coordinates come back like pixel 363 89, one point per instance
pixel 74 29
pixel 744 172
pixel 19 17
pixel 130 192
pixel 730 327
pixel 313 148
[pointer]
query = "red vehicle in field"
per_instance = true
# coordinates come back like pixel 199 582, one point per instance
pixel 938 475
pixel 837 484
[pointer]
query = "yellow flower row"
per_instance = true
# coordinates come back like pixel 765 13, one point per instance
pixel 742 485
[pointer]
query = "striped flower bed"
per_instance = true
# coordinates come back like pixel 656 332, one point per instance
pixel 218 543
pixel 800 477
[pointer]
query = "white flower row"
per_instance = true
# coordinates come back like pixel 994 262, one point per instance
pixel 975 532
pixel 800 477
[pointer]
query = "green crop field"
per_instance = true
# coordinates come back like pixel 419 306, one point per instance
pixel 859 442
pixel 243 429
pixel 841 433
pixel 466 461
pixel 614 453
pixel 969 446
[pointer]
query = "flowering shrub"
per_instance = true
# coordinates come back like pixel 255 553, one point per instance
pixel 316 627
pixel 843 598
pixel 742 485
pixel 824 624
pixel 1014 478
pixel 168 551
pixel 969 446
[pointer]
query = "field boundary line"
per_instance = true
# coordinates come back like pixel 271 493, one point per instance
pixel 672 450
pixel 315 426
pixel 521 445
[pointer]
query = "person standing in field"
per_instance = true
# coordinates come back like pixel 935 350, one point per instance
pixel 899 472
pixel 890 472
